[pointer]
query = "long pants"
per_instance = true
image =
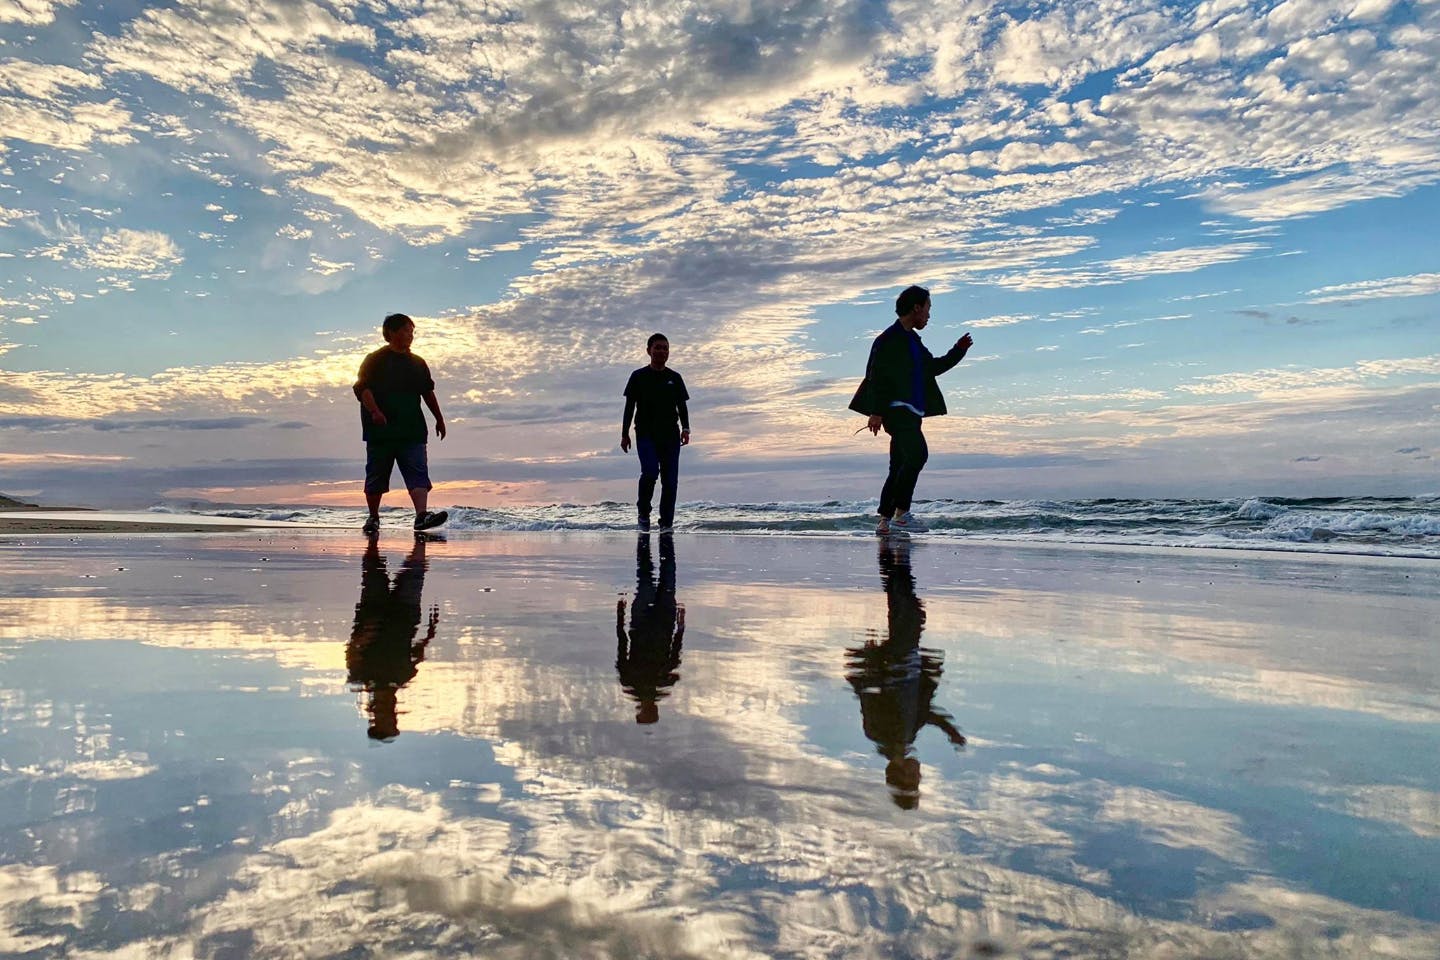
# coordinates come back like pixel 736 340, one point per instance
pixel 659 458
pixel 908 453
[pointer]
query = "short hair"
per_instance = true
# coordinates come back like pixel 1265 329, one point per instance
pixel 654 337
pixel 394 322
pixel 910 298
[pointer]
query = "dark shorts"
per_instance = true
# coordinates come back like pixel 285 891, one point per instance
pixel 382 458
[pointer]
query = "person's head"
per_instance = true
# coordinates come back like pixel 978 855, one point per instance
pixel 902 774
pixel 398 331
pixel 912 307
pixel 657 348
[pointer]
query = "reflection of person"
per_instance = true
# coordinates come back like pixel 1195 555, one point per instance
pixel 649 654
pixel 655 397
pixel 898 392
pixel 391 383
pixel 383 654
pixel 896 680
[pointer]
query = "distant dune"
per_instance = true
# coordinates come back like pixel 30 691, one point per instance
pixel 10 503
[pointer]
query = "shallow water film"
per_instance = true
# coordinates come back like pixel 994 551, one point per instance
pixel 572 745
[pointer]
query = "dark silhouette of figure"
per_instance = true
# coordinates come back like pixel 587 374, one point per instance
pixel 649 654
pixel 383 654
pixel 896 679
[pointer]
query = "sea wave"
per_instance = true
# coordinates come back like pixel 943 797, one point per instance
pixel 1397 526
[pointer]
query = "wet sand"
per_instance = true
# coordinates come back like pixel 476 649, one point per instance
pixel 24 521
pixel 601 745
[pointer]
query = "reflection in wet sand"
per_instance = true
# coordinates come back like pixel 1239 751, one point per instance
pixel 188 780
pixel 648 654
pixel 896 679
pixel 383 654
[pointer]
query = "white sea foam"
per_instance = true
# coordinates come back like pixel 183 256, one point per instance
pixel 1380 526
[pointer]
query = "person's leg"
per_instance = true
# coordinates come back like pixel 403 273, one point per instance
pixel 914 454
pixel 649 472
pixel 887 492
pixel 415 468
pixel 908 454
pixel 669 456
pixel 379 462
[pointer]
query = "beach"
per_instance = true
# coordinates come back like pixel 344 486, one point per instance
pixel 296 741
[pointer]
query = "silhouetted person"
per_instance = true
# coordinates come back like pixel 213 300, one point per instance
pixel 655 398
pixel 896 680
pixel 899 391
pixel 390 386
pixel 383 654
pixel 649 654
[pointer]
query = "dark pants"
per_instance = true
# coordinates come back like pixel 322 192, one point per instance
pixel 659 457
pixel 908 453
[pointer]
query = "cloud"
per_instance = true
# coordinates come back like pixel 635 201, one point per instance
pixel 1267 382
pixel 148 254
pixel 1415 285
pixel 1125 269
pixel 32 13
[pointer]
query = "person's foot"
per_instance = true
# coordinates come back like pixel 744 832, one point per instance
pixel 430 519
pixel 371 526
pixel 909 523
pixel 666 528
pixel 883 527
pixel 643 525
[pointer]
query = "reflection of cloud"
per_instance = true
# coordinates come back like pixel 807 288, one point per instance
pixel 1410 807
pixel 41 906
pixel 1177 823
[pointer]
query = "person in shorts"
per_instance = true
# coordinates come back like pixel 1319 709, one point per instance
pixel 391 383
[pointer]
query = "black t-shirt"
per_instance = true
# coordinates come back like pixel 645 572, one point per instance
pixel 659 396
pixel 398 381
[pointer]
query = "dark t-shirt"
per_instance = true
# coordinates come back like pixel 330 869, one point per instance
pixel 658 396
pixel 398 381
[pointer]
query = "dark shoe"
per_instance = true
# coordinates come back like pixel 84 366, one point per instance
pixel 371 526
pixel 430 519
pixel 644 524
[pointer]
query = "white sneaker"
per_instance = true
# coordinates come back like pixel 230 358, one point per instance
pixel 909 523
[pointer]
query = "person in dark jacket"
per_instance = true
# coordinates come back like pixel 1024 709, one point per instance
pixel 898 392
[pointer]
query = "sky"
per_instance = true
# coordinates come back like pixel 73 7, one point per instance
pixel 1194 243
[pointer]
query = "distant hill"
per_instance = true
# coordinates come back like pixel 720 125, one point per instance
pixel 10 503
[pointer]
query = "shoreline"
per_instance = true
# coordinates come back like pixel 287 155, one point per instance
pixel 40 522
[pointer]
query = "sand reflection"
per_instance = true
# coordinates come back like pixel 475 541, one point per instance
pixel 384 654
pixel 647 655
pixel 895 679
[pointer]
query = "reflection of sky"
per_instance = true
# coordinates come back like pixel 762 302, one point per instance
pixel 198 771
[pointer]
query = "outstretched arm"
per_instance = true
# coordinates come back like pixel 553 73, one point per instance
pixel 942 720
pixel 939 365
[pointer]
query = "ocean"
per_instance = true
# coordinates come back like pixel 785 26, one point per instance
pixel 1377 526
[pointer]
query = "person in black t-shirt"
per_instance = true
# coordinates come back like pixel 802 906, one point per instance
pixel 655 398
pixel 391 383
